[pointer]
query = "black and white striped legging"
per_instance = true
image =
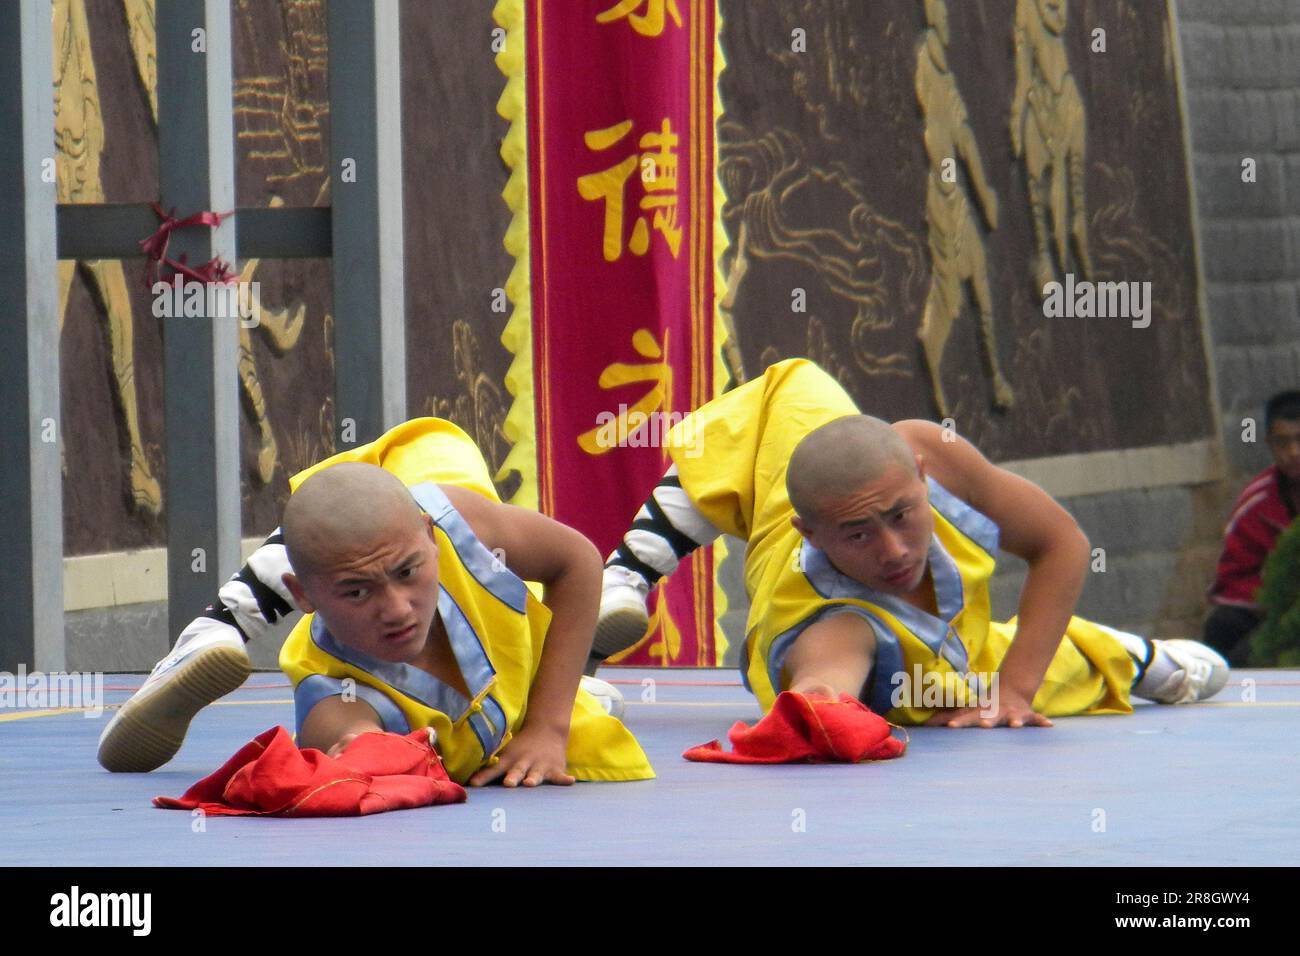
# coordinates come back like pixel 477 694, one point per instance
pixel 666 529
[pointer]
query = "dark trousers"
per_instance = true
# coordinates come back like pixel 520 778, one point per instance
pixel 1228 630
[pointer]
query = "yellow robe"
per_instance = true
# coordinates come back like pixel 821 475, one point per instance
pixel 733 469
pixel 496 627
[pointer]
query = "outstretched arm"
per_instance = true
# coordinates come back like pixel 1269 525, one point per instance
pixel 334 723
pixel 537 548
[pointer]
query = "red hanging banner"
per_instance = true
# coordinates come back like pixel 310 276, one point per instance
pixel 620 142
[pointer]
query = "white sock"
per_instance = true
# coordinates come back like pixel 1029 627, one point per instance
pixel 1158 669
pixel 665 530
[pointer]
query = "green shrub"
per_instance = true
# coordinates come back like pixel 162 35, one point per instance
pixel 1276 642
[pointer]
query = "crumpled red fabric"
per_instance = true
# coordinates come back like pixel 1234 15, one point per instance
pixel 270 776
pixel 807 728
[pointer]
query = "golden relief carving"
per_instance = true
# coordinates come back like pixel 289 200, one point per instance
pixel 281 328
pixel 866 259
pixel 1049 129
pixel 957 254
pixel 731 356
pixel 79 137
pixel 278 115
pixel 277 119
pixel 281 119
pixel 305 443
pixel 820 347
pixel 143 34
pixel 479 408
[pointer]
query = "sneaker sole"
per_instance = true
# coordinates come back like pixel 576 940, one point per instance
pixel 1218 680
pixel 618 630
pixel 150 731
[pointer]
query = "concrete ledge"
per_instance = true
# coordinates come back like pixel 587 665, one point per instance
pixel 133 638
pixel 118 578
pixel 1069 476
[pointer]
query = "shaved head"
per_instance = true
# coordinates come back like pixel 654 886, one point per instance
pixel 341 507
pixel 840 457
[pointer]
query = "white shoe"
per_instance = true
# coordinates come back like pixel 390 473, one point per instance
pixel 609 696
pixel 1201 674
pixel 149 728
pixel 623 618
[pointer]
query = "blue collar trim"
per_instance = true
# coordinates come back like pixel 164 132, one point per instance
pixel 472 660
pixel 489 570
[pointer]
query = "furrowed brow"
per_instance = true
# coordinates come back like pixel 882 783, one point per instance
pixel 900 505
pixel 413 558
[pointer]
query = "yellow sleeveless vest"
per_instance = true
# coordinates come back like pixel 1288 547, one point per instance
pixel 736 477
pixel 496 627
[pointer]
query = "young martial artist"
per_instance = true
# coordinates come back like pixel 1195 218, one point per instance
pixel 411 573
pixel 869 550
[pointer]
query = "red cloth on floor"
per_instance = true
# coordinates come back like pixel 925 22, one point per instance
pixel 804 728
pixel 271 776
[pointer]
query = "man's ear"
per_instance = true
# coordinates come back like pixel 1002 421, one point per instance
pixel 801 527
pixel 299 595
pixel 920 466
pixel 428 523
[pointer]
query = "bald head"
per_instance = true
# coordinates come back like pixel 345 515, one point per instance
pixel 841 456
pixel 344 505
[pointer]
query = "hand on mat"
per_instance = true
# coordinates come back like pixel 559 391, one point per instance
pixel 1013 711
pixel 533 757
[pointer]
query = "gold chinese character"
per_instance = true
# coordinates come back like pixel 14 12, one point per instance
pixel 648 24
pixel 613 430
pixel 658 178
pixel 659 175
pixel 608 185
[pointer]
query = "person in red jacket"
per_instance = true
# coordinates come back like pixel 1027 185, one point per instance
pixel 1262 512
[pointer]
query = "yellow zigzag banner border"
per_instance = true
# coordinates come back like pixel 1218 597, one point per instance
pixel 520 426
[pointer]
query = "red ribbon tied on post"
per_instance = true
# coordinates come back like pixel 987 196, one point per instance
pixel 155 249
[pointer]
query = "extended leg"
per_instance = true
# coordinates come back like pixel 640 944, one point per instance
pixel 665 530
pixel 207 662
pixel 933 336
pixel 1003 397
pixel 1172 671
pixel 1044 271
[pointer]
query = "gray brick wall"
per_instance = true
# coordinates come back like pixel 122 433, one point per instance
pixel 1242 72
pixel 133 637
